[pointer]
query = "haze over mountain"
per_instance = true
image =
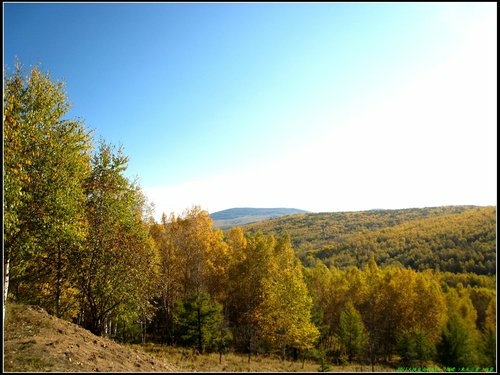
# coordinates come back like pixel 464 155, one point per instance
pixel 245 215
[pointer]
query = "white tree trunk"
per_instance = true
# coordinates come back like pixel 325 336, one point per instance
pixel 5 284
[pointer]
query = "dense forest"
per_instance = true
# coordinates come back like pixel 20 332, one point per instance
pixel 456 239
pixel 80 241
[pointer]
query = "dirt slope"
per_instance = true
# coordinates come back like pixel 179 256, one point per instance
pixel 37 341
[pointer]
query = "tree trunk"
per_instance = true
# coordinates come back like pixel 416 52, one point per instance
pixel 143 329
pixel 250 348
pixel 200 346
pixel 105 328
pixel 58 282
pixel 6 267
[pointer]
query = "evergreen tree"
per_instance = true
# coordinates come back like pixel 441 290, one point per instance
pixel 456 348
pixel 415 345
pixel 489 337
pixel 351 332
pixel 199 323
pixel 406 347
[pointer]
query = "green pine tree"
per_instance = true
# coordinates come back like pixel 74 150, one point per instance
pixel 456 348
pixel 199 323
pixel 351 332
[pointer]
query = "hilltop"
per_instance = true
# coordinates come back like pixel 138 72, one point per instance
pixel 241 216
pixel 35 341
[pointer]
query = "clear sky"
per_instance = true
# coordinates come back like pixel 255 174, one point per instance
pixel 317 106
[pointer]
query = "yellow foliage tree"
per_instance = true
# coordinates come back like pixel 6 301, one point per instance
pixel 285 312
pixel 249 266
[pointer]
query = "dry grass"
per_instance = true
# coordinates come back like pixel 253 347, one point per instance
pixel 185 360
pixel 35 341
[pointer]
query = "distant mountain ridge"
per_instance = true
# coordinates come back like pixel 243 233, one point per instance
pixel 232 217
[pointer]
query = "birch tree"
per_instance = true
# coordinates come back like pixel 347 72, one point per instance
pixel 46 160
pixel 118 266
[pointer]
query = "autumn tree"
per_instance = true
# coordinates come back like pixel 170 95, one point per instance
pixel 481 299
pixel 284 314
pixel 371 309
pixel 193 262
pixel 117 268
pixel 168 289
pixel 412 302
pixel 250 264
pixel 422 309
pixel 319 284
pixel 46 160
pixel 216 275
pixel 192 238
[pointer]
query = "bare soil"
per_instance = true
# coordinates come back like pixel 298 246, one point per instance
pixel 39 342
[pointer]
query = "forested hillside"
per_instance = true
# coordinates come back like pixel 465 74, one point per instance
pixel 454 238
pixel 80 242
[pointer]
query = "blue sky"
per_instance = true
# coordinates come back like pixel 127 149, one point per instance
pixel 318 106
